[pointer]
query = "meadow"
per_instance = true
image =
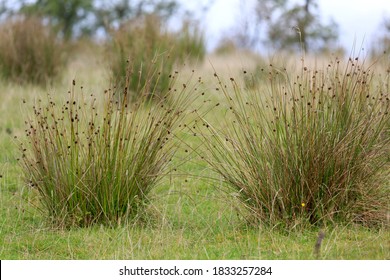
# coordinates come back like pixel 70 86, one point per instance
pixel 201 205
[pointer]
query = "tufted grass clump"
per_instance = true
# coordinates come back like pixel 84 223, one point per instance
pixel 306 149
pixel 94 160
pixel 29 51
pixel 153 53
pixel 190 43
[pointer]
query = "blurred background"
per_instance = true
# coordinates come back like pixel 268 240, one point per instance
pixel 39 37
pixel 260 25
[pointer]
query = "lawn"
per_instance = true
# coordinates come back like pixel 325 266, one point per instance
pixel 189 216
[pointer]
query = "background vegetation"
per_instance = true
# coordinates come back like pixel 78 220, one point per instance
pixel 29 51
pixel 151 53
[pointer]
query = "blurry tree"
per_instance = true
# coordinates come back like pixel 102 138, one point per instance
pixel 73 18
pixel 295 25
pixel 9 8
pixel 3 8
pixel 64 15
pixel 111 14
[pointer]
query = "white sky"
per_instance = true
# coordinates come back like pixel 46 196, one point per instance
pixel 357 19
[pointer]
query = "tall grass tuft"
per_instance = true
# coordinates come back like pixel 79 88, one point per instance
pixel 306 149
pixel 95 161
pixel 190 43
pixel 153 53
pixel 29 51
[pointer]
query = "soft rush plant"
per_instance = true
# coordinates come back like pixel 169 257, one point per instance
pixel 307 149
pixel 29 51
pixel 96 162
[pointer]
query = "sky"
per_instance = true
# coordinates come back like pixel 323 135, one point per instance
pixel 358 20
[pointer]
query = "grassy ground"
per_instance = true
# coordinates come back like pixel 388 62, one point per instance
pixel 190 217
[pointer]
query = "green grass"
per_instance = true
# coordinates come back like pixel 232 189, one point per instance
pixel 192 226
pixel 190 217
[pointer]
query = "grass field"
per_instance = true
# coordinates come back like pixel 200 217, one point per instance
pixel 190 217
